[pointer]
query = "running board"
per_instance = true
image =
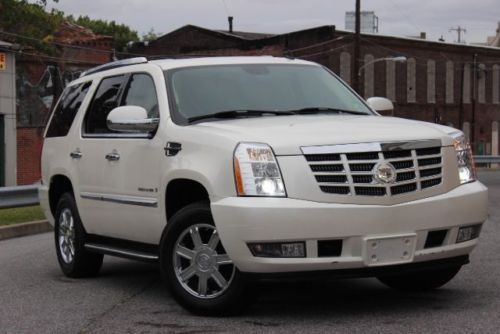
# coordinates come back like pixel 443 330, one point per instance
pixel 125 253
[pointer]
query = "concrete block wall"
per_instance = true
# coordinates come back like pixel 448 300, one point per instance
pixel 8 111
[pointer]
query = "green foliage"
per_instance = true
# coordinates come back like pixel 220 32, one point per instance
pixel 29 19
pixel 21 215
pixel 121 32
pixel 43 2
pixel 151 35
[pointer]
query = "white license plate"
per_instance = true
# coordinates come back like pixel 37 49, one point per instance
pixel 394 249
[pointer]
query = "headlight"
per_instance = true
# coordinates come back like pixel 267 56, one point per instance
pixel 466 167
pixel 256 171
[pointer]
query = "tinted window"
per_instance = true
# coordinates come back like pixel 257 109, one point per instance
pixel 277 87
pixel 140 91
pixel 66 109
pixel 105 100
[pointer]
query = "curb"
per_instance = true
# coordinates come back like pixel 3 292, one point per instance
pixel 24 229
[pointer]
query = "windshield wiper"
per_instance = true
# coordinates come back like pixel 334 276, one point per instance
pixel 239 113
pixel 317 110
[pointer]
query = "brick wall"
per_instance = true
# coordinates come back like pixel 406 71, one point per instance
pixel 29 149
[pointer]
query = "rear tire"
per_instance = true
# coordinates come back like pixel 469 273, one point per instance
pixel 420 281
pixel 74 260
pixel 196 268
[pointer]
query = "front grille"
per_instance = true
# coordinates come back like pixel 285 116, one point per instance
pixel 353 173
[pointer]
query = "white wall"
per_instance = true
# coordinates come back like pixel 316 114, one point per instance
pixel 8 109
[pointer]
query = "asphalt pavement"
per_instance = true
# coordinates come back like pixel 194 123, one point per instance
pixel 129 297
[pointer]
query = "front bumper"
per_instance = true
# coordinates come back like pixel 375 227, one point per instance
pixel 242 220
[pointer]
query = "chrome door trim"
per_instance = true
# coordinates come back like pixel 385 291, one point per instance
pixel 122 199
pixel 116 251
pixel 117 135
pixel 370 147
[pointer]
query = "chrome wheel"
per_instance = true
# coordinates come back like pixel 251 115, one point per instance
pixel 66 236
pixel 201 264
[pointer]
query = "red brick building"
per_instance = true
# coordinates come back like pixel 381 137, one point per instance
pixel 445 83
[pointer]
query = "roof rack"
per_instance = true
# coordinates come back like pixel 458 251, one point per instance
pixel 115 64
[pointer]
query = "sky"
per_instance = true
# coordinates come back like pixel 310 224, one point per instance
pixel 396 17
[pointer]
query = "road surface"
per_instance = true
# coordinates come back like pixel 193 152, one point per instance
pixel 128 297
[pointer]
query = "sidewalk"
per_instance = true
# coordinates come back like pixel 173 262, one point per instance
pixel 23 229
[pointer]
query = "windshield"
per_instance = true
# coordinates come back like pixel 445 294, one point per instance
pixel 206 90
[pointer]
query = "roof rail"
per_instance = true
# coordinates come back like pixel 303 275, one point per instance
pixel 115 64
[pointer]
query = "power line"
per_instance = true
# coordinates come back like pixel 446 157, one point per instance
pixel 444 57
pixel 65 45
pixel 325 51
pixel 225 7
pixel 409 18
pixel 319 44
pixel 65 60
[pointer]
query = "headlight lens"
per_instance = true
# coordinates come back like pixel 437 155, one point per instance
pixel 466 167
pixel 256 171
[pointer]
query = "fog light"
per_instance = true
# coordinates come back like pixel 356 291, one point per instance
pixel 468 233
pixel 278 249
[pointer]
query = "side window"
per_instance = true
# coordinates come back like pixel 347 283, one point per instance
pixel 140 91
pixel 105 100
pixel 66 109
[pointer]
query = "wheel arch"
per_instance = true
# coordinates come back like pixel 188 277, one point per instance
pixel 181 192
pixel 59 184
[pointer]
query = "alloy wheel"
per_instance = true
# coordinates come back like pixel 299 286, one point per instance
pixel 66 235
pixel 201 264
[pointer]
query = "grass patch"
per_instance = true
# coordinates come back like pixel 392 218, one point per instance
pixel 21 215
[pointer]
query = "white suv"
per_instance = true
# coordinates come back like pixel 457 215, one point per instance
pixel 226 170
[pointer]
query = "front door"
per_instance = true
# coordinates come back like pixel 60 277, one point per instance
pixel 122 189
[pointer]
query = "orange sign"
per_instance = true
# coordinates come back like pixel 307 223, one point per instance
pixel 3 61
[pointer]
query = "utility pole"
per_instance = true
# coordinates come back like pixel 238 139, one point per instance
pixel 474 99
pixel 357 42
pixel 459 31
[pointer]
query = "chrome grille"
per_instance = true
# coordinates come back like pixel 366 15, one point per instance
pixel 353 173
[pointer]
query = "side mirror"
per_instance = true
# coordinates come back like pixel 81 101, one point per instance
pixel 380 104
pixel 131 119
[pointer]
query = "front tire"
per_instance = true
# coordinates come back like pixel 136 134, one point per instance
pixel 422 280
pixel 195 266
pixel 75 261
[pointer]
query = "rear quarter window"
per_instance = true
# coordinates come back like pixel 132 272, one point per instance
pixel 66 110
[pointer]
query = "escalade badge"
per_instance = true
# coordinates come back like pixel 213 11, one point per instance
pixel 385 172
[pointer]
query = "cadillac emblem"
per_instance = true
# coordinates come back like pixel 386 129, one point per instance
pixel 384 172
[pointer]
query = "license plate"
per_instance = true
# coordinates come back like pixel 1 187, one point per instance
pixel 379 251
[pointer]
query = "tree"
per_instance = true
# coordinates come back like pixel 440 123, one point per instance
pixel 120 32
pixel 151 35
pixel 28 23
pixel 43 3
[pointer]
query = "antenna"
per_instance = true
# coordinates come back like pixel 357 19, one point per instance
pixel 459 31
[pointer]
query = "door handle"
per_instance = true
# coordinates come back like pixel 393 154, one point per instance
pixel 76 154
pixel 113 156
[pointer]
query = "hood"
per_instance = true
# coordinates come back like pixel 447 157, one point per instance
pixel 287 134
